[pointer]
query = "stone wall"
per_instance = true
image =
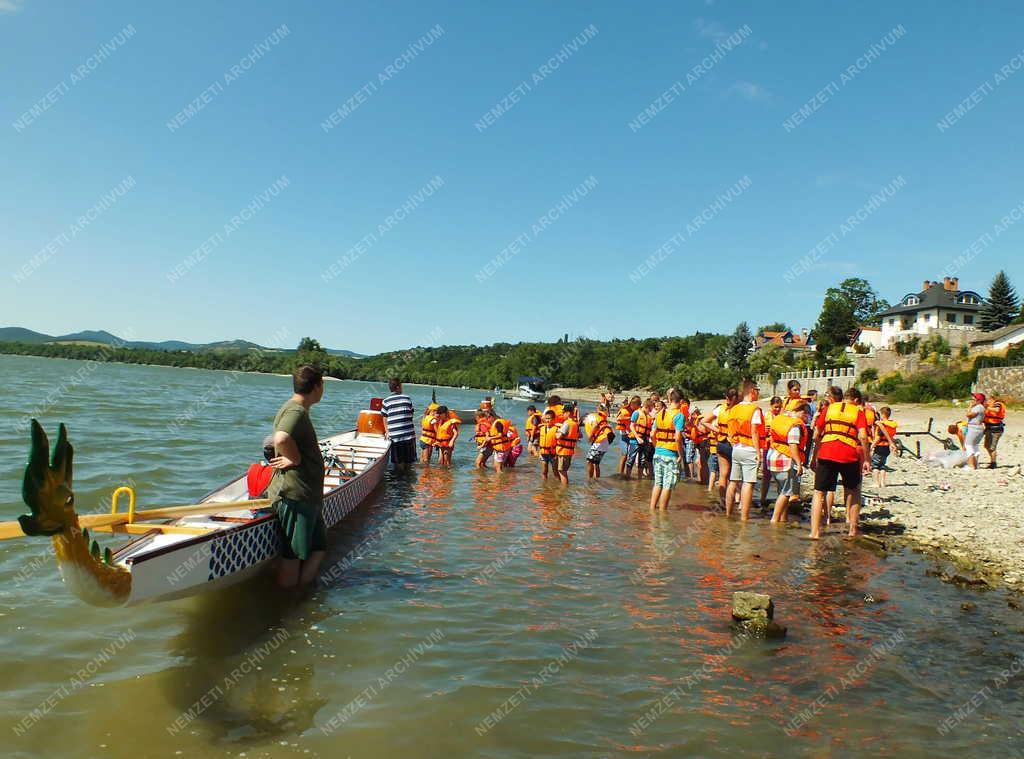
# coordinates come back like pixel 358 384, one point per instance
pixel 1005 381
pixel 811 379
pixel 888 361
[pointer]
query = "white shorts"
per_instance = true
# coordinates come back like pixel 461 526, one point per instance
pixel 744 464
pixel 972 440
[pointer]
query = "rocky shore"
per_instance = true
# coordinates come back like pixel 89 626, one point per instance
pixel 971 518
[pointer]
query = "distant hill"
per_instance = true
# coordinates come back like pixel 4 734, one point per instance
pixel 102 337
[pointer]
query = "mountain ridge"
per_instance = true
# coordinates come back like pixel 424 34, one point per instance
pixel 103 337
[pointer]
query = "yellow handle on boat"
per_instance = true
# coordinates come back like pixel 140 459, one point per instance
pixel 13 529
pixel 131 501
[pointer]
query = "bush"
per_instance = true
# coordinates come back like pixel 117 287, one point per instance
pixel 861 349
pixel 868 375
pixel 889 383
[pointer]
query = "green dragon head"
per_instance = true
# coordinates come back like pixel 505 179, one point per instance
pixel 47 485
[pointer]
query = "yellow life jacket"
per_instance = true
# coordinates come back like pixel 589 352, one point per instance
pixel 780 428
pixel 665 430
pixel 498 438
pixel 548 438
pixel 565 445
pixel 642 425
pixel 723 423
pixel 533 421
pixel 841 424
pixel 428 429
pixel 559 410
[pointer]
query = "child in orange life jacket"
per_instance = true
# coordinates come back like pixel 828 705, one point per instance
pixel 884 438
pixel 600 436
pixel 547 439
pixel 482 438
pixel 516 450
pixel 565 443
pixel 447 433
pixel 766 477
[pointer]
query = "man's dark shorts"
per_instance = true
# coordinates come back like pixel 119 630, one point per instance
pixel 403 451
pixel 879 456
pixel 827 475
pixel 303 527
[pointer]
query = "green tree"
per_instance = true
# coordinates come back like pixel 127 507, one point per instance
pixel 867 306
pixel 770 360
pixel 739 346
pixel 837 321
pixel 774 327
pixel 1002 305
pixel 311 352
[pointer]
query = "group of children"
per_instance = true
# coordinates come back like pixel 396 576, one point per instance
pixel 732 448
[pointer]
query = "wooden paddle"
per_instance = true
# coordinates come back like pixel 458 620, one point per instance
pixel 10 530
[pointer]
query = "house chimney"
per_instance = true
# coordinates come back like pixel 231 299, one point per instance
pixel 954 284
pixel 945 283
pixel 925 286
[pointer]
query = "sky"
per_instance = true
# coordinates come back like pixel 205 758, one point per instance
pixel 385 175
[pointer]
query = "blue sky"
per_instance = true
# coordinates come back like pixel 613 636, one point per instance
pixel 448 268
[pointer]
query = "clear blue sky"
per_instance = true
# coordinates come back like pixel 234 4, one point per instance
pixel 573 124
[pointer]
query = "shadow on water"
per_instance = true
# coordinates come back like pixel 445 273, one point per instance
pixel 249 653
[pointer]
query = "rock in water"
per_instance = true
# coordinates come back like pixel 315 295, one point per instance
pixel 752 614
pixel 752 606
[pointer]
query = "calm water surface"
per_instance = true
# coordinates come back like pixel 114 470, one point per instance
pixel 476 615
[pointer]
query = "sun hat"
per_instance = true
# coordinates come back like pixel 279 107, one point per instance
pixel 979 397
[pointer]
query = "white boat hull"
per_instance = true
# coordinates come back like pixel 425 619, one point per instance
pixel 241 544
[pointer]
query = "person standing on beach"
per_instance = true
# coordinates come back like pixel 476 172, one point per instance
pixel 793 396
pixel 885 441
pixel 746 429
pixel 668 446
pixel 398 413
pixel 975 429
pixel 841 450
pixel 995 424
pixel 297 486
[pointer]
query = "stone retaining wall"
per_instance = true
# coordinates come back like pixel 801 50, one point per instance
pixel 1005 381
pixel 811 379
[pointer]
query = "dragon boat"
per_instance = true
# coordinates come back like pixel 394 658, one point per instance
pixel 223 539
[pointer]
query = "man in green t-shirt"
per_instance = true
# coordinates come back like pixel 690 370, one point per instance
pixel 297 488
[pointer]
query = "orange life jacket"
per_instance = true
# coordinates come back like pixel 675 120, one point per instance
pixel 723 423
pixel 559 410
pixel 513 435
pixel 890 427
pixel 596 427
pixel 498 438
pixel 566 444
pixel 665 430
pixel 483 429
pixel 870 415
pixel 445 433
pixel 622 420
pixel 428 429
pixel 995 413
pixel 533 421
pixel 642 425
pixel 548 438
pixel 741 430
pixel 841 424
pixel 780 428
pixel 790 404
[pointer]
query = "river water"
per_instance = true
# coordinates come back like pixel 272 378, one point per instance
pixel 477 615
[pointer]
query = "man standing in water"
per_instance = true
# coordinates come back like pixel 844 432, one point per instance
pixel 297 487
pixel 841 449
pixel 398 425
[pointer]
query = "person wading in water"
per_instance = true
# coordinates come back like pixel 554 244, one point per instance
pixel 297 487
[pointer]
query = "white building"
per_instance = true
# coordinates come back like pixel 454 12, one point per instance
pixel 1000 339
pixel 939 307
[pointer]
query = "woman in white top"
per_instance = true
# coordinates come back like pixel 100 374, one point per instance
pixel 975 429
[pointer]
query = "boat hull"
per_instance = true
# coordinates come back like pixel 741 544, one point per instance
pixel 240 551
